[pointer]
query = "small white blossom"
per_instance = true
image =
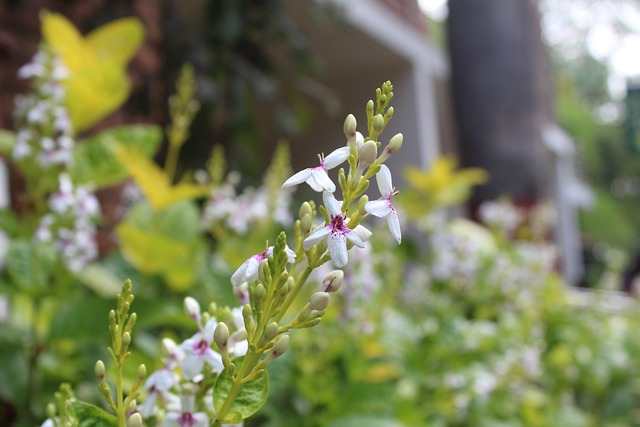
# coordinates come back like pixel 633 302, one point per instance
pixel 317 177
pixel 248 271
pixel 336 232
pixel 198 351
pixel 383 208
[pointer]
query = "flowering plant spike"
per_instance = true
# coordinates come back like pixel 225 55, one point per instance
pixel 218 376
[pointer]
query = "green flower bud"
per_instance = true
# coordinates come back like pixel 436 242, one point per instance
pixel 135 420
pixel 395 143
pixel 369 108
pixel 142 371
pixel 350 126
pixel 131 322
pixel 126 339
pixel 378 123
pixel 263 270
pixel 306 223
pixel 333 281
pixel 389 114
pixel 319 301
pixel 260 292
pixel 99 370
pixel 271 331
pixel 367 154
pixel 221 335
pixel 305 209
pixel 247 311
pixel 281 346
pixel 51 410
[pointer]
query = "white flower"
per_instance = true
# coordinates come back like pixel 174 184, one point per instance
pixel 248 271
pixel 317 177
pixel 186 417
pixel 336 232
pixel 383 208
pixel 198 351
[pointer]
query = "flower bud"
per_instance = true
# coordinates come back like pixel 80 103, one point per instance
pixel 319 301
pixel 369 107
pixel 394 146
pixel 168 346
pixel 126 339
pixel 281 346
pixel 131 322
pixel 142 371
pixel 135 420
pixel 260 292
pixel 350 125
pixel 306 223
pixel 333 281
pixel 221 335
pixel 367 154
pixel 246 311
pixel 263 270
pixel 99 370
pixel 271 331
pixel 192 308
pixel 305 209
pixel 51 410
pixel 378 123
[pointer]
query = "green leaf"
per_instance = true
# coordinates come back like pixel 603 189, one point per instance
pixel 9 222
pixel 167 242
pixel 88 415
pixel 251 398
pixel 30 264
pixel 7 141
pixel 94 160
pixel 15 367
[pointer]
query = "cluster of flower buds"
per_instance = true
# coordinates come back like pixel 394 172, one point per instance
pixel 45 133
pixel 70 224
pixel 203 377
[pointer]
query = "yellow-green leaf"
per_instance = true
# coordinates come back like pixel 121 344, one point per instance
pixel 154 182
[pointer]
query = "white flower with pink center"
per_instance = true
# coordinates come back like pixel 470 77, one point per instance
pixel 198 351
pixel 383 208
pixel 336 232
pixel 248 271
pixel 317 177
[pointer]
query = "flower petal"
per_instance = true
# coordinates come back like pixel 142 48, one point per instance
pixel 214 360
pixel 298 178
pixel 316 237
pixel 362 232
pixel 239 276
pixel 191 366
pixel 338 249
pixel 379 208
pixel 336 157
pixel 383 177
pixel 209 330
pixel 354 238
pixel 394 226
pixel 322 179
pixel 331 204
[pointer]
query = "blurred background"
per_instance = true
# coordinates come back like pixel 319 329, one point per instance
pixel 543 95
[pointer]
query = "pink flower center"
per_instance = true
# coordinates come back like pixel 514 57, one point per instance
pixel 338 226
pixel 201 347
pixel 186 419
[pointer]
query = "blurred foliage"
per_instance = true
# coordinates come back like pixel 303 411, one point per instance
pixel 97 63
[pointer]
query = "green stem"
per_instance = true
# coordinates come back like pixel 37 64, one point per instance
pixel 249 361
pixel 293 294
pixel 122 419
pixel 171 161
